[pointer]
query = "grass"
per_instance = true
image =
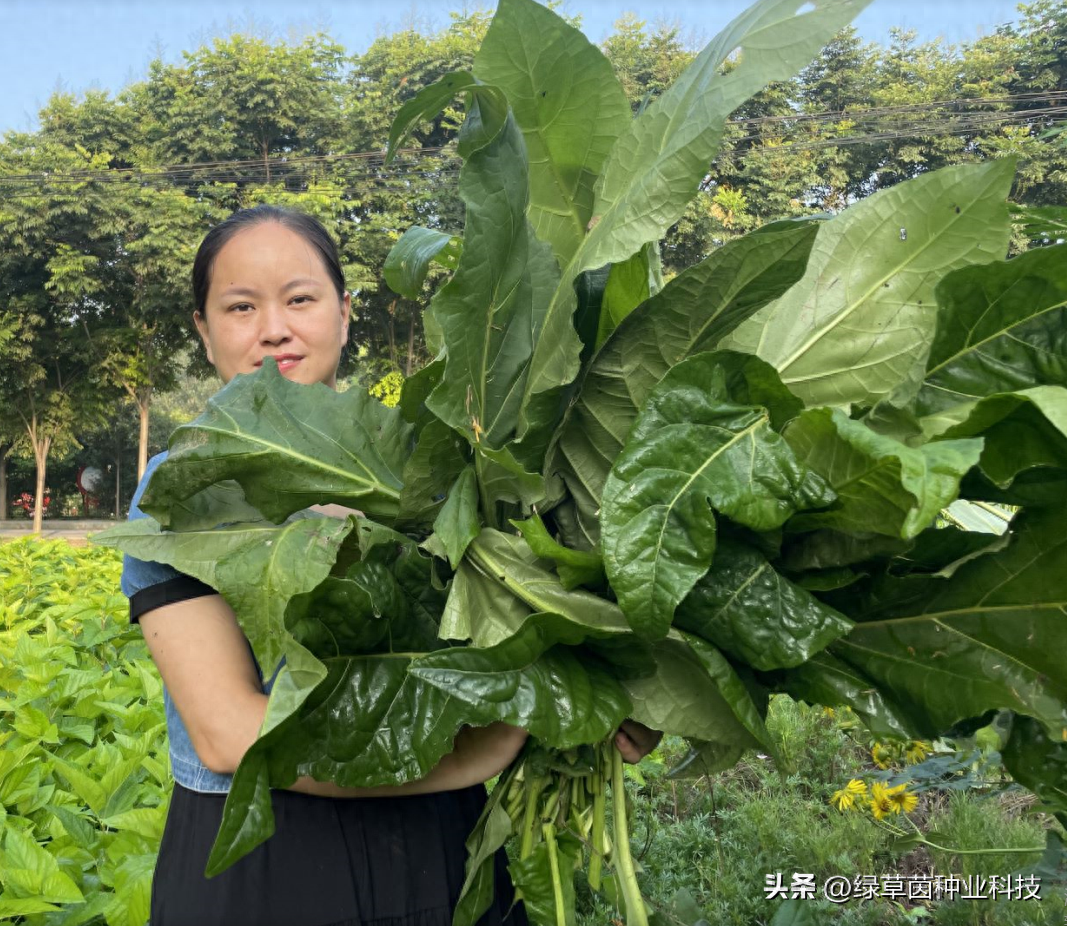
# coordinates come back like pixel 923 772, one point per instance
pixel 719 837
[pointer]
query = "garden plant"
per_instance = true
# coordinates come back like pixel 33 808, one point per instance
pixel 613 496
pixel 84 776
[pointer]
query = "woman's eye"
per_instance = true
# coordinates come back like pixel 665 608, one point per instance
pixel 240 307
pixel 301 299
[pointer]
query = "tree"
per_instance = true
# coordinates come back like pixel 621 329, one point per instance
pixel 149 238
pixel 645 62
pixel 55 388
pixel 242 98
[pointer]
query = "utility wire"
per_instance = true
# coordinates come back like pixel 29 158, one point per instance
pixel 368 169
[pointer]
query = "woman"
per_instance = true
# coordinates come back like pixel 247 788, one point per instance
pixel 268 283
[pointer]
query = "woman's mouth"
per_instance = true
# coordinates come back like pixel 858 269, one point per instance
pixel 285 361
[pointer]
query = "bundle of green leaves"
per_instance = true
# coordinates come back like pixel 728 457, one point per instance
pixel 609 497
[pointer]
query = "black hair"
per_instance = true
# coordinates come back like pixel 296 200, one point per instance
pixel 306 226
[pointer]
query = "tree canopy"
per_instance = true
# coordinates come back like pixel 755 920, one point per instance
pixel 102 206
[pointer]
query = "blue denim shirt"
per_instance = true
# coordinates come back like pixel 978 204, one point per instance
pixel 186 766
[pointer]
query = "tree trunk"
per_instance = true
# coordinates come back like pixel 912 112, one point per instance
pixel 40 456
pixel 118 486
pixel 411 345
pixel 144 402
pixel 5 450
pixel 392 334
pixel 266 158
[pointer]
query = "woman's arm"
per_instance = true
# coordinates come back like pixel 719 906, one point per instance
pixel 205 662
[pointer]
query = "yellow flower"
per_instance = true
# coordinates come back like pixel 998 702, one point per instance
pixel 903 801
pixel 845 799
pixel 885 801
pixel 882 804
pixel 881 755
pixel 916 751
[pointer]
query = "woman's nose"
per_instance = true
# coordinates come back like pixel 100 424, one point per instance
pixel 273 324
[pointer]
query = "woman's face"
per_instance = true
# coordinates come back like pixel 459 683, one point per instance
pixel 271 296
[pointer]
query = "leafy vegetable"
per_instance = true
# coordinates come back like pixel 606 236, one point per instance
pixel 856 327
pixel 692 446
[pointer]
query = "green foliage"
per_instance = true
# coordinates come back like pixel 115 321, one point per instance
pixel 84 774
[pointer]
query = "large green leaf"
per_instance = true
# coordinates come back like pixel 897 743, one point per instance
pixel 989 637
pixel 256 567
pixel 861 321
pixel 458 522
pixel 487 110
pixel 562 696
pixel 410 258
pixel 501 582
pixel 627 286
pixel 826 680
pixel 1037 763
pixel 693 448
pixel 690 315
pixel 433 467
pixel 882 485
pixel 289 446
pixel 374 720
pixel 489 311
pixel 1020 431
pixel 546 880
pixel 416 627
pixel 756 615
pixel 1000 329
pixel 682 699
pixel 384 602
pixel 367 723
pixel 569 105
pixel 656 166
pixel 731 689
pixel 490 834
pixel 222 503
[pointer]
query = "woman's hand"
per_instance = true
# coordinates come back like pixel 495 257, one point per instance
pixel 635 741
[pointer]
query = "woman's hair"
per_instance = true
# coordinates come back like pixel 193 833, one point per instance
pixel 307 227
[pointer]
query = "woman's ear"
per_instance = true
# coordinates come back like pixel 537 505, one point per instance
pixel 346 315
pixel 201 329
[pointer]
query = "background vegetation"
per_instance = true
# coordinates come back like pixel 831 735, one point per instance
pixel 102 207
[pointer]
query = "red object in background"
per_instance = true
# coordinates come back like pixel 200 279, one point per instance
pixel 25 501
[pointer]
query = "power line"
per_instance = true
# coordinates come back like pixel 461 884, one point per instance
pixel 370 170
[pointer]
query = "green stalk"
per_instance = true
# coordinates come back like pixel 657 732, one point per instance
pixel 636 914
pixel 600 802
pixel 553 864
pixel 533 794
pixel 488 509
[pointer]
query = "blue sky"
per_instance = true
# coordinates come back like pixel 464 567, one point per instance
pixel 105 44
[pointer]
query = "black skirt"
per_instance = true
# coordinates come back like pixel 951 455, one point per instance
pixel 331 862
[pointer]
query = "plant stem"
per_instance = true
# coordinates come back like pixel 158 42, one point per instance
pixel 636 914
pixel 596 857
pixel 488 508
pixel 533 794
pixel 549 831
pixel 1005 851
